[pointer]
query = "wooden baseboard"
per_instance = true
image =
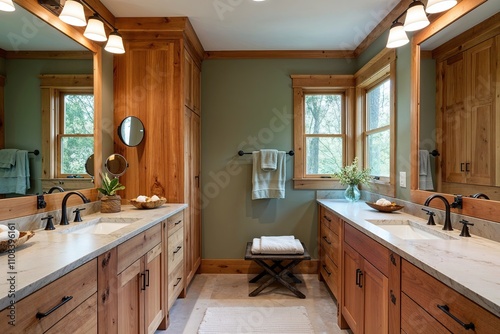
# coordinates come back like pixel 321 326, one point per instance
pixel 237 266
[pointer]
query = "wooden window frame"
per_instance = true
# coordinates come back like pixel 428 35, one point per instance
pixel 326 84
pixel 380 68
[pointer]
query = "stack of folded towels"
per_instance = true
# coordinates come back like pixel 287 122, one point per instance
pixel 286 244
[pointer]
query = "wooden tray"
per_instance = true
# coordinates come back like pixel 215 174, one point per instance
pixel 388 208
pixel 148 205
pixel 23 237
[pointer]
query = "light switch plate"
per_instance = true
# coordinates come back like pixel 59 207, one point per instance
pixel 402 179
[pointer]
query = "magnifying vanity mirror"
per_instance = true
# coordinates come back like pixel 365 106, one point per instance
pixel 456 108
pixel 116 164
pixel 89 165
pixel 131 131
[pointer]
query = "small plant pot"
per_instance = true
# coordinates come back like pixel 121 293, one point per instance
pixel 110 204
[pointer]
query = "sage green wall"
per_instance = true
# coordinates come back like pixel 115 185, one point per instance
pixel 428 109
pixel 23 105
pixel 248 104
pixel 2 66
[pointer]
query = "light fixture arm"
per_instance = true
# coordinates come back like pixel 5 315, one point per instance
pixel 97 14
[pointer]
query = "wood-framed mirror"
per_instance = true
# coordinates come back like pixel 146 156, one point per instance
pixel 23 206
pixel 430 107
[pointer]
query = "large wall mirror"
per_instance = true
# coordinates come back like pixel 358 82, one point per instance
pixel 30 48
pixel 455 108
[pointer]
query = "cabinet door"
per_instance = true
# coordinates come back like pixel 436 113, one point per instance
pixel 131 299
pixel 154 293
pixel 195 192
pixel 376 300
pixel 188 80
pixel 352 299
pixel 196 89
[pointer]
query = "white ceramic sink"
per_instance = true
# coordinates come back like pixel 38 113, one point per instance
pixel 410 230
pixel 101 225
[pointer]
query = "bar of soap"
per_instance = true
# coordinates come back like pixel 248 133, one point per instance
pixel 154 198
pixel 141 199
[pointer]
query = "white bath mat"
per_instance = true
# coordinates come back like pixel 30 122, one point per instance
pixel 236 320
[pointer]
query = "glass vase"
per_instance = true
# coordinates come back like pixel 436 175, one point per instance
pixel 352 193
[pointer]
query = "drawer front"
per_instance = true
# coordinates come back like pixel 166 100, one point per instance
pixel 82 320
pixel 415 319
pixel 175 222
pixel 175 250
pixel 326 216
pixel 330 273
pixel 131 250
pixel 79 284
pixel 428 292
pixel 330 243
pixel 371 250
pixel 175 283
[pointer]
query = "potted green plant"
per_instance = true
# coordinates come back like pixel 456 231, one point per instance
pixel 352 176
pixel 110 201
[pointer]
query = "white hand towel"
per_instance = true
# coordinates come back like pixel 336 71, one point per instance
pixel 268 184
pixel 268 159
pixel 280 245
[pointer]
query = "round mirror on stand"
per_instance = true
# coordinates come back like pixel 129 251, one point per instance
pixel 131 131
pixel 116 164
pixel 89 165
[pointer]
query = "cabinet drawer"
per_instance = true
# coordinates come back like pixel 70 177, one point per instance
pixel 131 250
pixel 330 243
pixel 175 222
pixel 175 250
pixel 82 320
pixel 371 250
pixel 79 284
pixel 175 283
pixel 330 220
pixel 330 273
pixel 415 319
pixel 428 292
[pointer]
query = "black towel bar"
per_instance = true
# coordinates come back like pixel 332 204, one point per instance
pixel 241 153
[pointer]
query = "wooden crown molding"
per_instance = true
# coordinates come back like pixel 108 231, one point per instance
pixel 78 55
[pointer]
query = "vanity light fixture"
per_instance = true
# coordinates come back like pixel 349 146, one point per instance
pixel 73 14
pixel 438 6
pixel 115 43
pixel 95 29
pixel 397 35
pixel 416 18
pixel 7 6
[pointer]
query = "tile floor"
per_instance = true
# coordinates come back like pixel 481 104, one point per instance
pixel 232 290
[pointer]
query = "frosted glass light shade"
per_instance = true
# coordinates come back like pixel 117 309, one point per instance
pixel 7 6
pixel 438 6
pixel 397 36
pixel 73 14
pixel 115 43
pixel 416 18
pixel 95 29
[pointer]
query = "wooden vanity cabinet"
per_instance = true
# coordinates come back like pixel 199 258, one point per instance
pixel 140 289
pixel 330 250
pixel 370 285
pixel 426 302
pixel 175 257
pixel 76 295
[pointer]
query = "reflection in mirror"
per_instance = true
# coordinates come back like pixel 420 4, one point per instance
pixel 34 48
pixel 131 131
pixel 89 165
pixel 116 164
pixel 459 113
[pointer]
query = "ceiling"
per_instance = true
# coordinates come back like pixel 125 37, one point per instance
pixel 224 25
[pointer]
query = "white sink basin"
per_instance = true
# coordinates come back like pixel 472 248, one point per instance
pixel 409 230
pixel 101 225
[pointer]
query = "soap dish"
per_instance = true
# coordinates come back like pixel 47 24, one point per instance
pixel 23 237
pixel 148 204
pixel 386 208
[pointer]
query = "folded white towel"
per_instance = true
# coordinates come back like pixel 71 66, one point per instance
pixel 268 159
pixel 277 245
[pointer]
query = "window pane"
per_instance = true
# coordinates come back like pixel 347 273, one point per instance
pixel 324 155
pixel 74 154
pixel 378 108
pixel 378 152
pixel 323 114
pixel 78 114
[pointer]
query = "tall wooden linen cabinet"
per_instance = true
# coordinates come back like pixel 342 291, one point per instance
pixel 158 81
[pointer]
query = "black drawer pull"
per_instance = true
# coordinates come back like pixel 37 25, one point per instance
pixel 64 300
pixel 179 279
pixel 446 310
pixel 143 281
pixel 326 217
pixel 462 167
pixel 327 241
pixel 329 273
pixel 393 259
pixel 180 221
pixel 358 271
pixel 177 249
pixel 393 298
pixel 147 279
pixel 467 167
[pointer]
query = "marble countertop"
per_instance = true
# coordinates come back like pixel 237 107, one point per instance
pixel 51 254
pixel 470 266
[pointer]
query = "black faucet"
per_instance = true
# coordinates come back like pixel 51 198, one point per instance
pixel 64 216
pixel 51 190
pixel 447 220
pixel 479 195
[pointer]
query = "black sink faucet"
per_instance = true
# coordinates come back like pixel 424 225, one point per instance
pixel 447 220
pixel 64 216
pixel 51 190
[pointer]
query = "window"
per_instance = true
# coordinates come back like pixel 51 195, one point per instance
pixel 323 128
pixel 75 138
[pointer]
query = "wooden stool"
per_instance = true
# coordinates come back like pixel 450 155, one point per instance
pixel 276 270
